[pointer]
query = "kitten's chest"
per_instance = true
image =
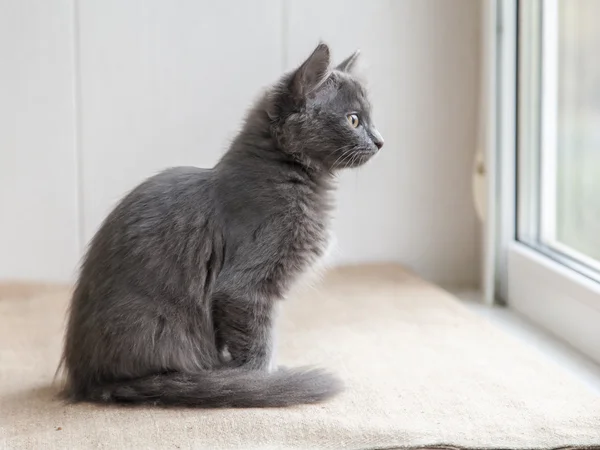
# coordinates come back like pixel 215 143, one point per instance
pixel 310 237
pixel 315 266
pixel 289 237
pixel 311 240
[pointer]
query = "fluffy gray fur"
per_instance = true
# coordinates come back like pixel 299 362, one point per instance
pixel 175 300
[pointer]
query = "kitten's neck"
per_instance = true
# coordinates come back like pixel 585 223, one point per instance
pixel 256 142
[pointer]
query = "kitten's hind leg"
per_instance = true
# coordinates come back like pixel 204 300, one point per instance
pixel 245 328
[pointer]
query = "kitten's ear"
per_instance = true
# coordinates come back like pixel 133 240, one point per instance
pixel 313 72
pixel 348 64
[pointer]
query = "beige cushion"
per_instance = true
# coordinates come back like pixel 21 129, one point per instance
pixel 420 370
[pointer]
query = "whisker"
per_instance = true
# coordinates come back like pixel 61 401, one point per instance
pixel 343 158
pixel 348 154
pixel 345 151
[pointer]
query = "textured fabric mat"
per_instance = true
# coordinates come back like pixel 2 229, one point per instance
pixel 421 371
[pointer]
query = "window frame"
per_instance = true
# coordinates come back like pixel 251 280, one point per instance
pixel 537 281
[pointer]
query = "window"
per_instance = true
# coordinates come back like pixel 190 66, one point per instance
pixel 552 257
pixel 574 222
pixel 568 121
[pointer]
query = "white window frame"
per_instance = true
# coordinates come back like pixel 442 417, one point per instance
pixel 539 284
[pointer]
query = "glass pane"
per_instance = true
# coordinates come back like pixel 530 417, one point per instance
pixel 577 165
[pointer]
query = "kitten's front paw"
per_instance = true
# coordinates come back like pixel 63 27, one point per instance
pixel 225 356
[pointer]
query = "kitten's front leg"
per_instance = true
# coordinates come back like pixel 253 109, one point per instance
pixel 245 327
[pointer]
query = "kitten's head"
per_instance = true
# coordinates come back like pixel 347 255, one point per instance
pixel 321 114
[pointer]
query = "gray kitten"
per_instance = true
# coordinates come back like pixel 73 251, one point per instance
pixel 175 300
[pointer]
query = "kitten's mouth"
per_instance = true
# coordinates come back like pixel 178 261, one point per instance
pixel 353 159
pixel 361 157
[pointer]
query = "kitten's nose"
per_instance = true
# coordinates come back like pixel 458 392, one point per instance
pixel 377 138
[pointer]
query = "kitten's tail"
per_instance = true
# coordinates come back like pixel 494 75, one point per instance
pixel 222 388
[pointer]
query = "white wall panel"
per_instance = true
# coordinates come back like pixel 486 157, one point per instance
pixel 156 83
pixel 38 195
pixel 413 203
pixel 166 83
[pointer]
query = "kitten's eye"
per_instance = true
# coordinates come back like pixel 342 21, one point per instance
pixel 353 119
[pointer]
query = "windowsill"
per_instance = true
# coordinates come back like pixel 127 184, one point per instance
pixel 552 348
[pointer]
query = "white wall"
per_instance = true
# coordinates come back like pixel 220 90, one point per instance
pixel 166 83
pixel 38 172
pixel 154 83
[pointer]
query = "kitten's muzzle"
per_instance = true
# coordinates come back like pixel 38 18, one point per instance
pixel 376 138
